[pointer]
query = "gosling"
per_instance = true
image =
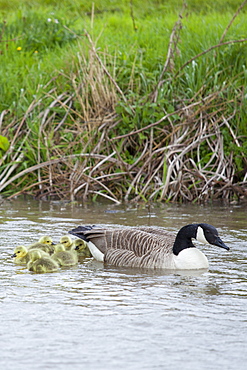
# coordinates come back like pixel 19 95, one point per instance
pixel 41 264
pixel 66 241
pixel 81 248
pixel 64 257
pixel 20 255
pixel 45 243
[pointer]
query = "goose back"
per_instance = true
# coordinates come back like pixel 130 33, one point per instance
pixel 131 246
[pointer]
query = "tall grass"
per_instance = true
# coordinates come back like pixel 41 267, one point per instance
pixel 128 102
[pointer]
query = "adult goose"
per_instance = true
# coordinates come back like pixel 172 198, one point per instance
pixel 149 247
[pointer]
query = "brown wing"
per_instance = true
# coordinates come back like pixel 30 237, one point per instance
pixel 132 246
pixel 158 231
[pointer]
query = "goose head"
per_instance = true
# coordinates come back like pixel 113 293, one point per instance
pixel 80 245
pixel 46 240
pixel 20 252
pixel 204 233
pixel 66 241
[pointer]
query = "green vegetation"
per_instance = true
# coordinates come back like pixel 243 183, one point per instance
pixel 131 100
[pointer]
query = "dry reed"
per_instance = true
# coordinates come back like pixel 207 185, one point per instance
pixel 176 159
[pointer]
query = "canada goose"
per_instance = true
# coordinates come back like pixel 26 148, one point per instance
pixel 149 247
pixel 64 257
pixel 66 241
pixel 45 243
pixel 81 247
pixel 41 264
pixel 20 255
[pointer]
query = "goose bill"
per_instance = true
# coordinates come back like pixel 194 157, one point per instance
pixel 220 244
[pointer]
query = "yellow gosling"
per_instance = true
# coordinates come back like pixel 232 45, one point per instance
pixel 46 240
pixel 45 243
pixel 81 248
pixel 40 264
pixel 64 257
pixel 20 255
pixel 66 241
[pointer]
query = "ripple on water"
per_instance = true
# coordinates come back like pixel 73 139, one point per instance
pixel 102 317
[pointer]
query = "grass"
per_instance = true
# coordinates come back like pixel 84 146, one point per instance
pixel 125 100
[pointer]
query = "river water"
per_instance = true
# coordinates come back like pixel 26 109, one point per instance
pixel 100 317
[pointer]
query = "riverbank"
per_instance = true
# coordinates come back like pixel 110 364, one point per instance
pixel 140 101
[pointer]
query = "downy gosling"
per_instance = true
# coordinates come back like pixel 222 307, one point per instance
pixel 81 247
pixel 45 243
pixel 41 264
pixel 64 257
pixel 20 255
pixel 66 241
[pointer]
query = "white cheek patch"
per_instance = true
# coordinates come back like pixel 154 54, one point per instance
pixel 200 235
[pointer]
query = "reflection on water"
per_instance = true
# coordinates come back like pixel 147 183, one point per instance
pixel 103 317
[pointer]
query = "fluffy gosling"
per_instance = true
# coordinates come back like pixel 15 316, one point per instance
pixel 40 264
pixel 81 248
pixel 64 257
pixel 20 255
pixel 66 241
pixel 45 243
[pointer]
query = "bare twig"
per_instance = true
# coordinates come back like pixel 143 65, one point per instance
pixel 232 20
pixel 132 15
pixel 172 47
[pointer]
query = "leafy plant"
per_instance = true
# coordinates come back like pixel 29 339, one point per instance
pixel 4 145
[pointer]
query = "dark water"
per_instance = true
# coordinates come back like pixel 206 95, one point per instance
pixel 96 317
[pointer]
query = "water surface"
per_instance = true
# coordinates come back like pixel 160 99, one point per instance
pixel 101 317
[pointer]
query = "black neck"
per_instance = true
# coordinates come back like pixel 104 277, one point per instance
pixel 183 238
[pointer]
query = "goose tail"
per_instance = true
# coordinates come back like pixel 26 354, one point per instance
pixel 80 231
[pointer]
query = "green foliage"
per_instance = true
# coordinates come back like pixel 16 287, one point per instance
pixel 36 32
pixel 4 144
pixel 43 44
pixel 141 113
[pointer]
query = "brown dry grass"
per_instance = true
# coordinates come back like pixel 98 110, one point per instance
pixel 175 159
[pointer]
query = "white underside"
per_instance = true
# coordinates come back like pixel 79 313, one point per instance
pixel 190 259
pixel 96 253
